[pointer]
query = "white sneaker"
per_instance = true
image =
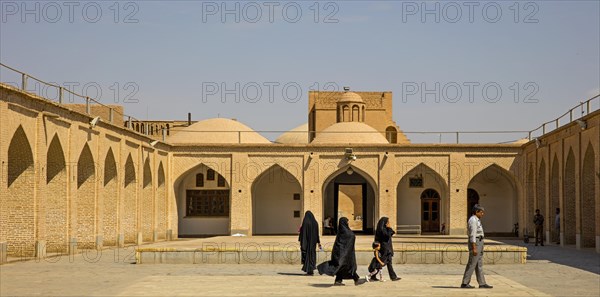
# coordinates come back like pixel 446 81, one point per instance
pixel 367 278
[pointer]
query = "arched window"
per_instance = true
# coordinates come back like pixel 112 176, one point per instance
pixel 345 114
pixel 199 180
pixel 391 134
pixel 355 113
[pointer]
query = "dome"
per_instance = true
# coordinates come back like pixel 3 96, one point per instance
pixel 349 132
pixel 296 135
pixel 350 97
pixel 218 130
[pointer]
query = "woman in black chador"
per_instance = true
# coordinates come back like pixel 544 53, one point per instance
pixel 309 239
pixel 343 259
pixel 383 234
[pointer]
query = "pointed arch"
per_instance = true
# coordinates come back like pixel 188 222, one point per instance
pixel 20 156
pixel 147 173
pixel 497 189
pixel 205 210
pixel 128 217
pixel 341 194
pixel 55 159
pixel 147 203
pixel 161 203
pixel 276 202
pixel 569 184
pixel 589 219
pixel 541 192
pixel 17 211
pixel 110 167
pixel 55 202
pixel 530 206
pixel 408 197
pixel 85 227
pixel 554 198
pixel 110 201
pixel 85 166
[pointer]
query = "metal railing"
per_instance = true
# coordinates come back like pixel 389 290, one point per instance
pixel 25 78
pixel 585 107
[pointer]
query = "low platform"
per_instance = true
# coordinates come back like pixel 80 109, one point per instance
pixel 414 249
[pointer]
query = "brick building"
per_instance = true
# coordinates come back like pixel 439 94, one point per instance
pixel 66 183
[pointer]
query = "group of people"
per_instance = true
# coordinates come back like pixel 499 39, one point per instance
pixel 343 258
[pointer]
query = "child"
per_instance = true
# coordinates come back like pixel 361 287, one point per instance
pixel 376 265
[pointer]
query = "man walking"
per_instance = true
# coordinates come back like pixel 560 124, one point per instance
pixel 475 232
pixel 538 221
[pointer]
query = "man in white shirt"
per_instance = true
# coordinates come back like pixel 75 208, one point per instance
pixel 475 232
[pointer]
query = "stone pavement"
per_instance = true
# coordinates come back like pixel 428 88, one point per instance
pixel 550 271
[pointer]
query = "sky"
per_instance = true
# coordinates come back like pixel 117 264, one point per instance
pixel 452 66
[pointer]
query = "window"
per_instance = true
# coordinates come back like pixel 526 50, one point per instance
pixel 296 196
pixel 296 213
pixel 207 203
pixel 210 174
pixel 199 180
pixel 220 181
pixel 415 182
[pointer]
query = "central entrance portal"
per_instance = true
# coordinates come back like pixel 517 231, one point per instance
pixel 350 193
pixel 350 201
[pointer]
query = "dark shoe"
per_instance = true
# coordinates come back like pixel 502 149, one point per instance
pixel 374 278
pixel 359 282
pixel 396 279
pixel 338 284
pixel 486 286
pixel 464 286
pixel 542 244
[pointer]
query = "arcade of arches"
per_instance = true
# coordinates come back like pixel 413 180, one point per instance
pixel 65 183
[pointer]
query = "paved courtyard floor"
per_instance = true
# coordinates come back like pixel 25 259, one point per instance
pixel 550 271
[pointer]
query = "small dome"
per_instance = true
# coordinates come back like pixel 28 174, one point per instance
pixel 296 135
pixel 217 130
pixel 350 97
pixel 349 132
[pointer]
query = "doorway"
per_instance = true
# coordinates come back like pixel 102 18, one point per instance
pixel 430 211
pixel 350 202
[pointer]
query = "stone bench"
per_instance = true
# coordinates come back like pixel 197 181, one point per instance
pixel 408 229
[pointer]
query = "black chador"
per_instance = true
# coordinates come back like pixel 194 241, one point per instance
pixel 343 258
pixel 383 234
pixel 309 238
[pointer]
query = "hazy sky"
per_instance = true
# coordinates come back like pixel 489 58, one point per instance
pixel 443 61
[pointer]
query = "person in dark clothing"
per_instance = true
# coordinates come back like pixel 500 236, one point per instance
pixel 383 234
pixel 376 264
pixel 538 220
pixel 343 258
pixel 309 239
